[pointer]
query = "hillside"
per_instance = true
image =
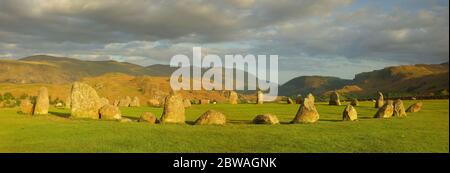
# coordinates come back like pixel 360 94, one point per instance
pixel 49 69
pixel 311 84
pixel 420 79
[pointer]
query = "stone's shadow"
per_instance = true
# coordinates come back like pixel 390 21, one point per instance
pixel 289 122
pixel 190 122
pixel 60 114
pixel 131 118
pixel 239 121
pixel 330 120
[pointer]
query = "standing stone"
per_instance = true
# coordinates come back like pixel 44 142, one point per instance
pixel 211 117
pixel 349 113
pixel 85 101
pixel 42 102
pixel 125 102
pixel 399 109
pixel 355 102
pixel 299 99
pixel 135 102
pixel 386 111
pixel 187 103
pixel 380 100
pixel 148 117
pixel 259 97
pixel 266 119
pixel 26 107
pixel 334 99
pixel 415 107
pixel 307 112
pixel 173 109
pixel 110 112
pixel 290 101
pixel 204 101
pixel 233 98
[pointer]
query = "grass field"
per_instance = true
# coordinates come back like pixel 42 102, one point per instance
pixel 425 131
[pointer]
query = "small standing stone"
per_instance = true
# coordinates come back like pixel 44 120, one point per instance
pixel 266 119
pixel 233 98
pixel 307 112
pixel 148 117
pixel 334 99
pixel 349 113
pixel 416 107
pixel 173 109
pixel 26 107
pixel 380 100
pixel 259 97
pixel 386 111
pixel 42 102
pixel 211 117
pixel 355 102
pixel 110 112
pixel 399 109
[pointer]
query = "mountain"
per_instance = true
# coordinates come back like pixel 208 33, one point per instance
pixel 420 79
pixel 311 84
pixel 49 69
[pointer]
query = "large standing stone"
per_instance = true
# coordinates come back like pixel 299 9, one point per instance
pixel 173 109
pixel 259 97
pixel 148 117
pixel 415 107
pixel 266 119
pixel 211 117
pixel 233 98
pixel 307 112
pixel 334 99
pixel 110 112
pixel 85 103
pixel 349 113
pixel 187 103
pixel 42 102
pixel 135 102
pixel 26 107
pixel 380 100
pixel 386 111
pixel 399 109
pixel 125 102
pixel 355 102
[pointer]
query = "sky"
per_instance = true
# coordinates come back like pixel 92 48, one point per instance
pixel 311 37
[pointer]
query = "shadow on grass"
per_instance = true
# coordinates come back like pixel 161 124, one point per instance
pixel 60 114
pixel 330 120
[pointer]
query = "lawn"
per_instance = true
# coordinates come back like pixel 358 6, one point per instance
pixel 425 131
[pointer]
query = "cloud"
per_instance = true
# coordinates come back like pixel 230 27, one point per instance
pixel 300 31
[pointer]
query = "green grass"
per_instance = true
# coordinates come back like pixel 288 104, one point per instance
pixel 425 131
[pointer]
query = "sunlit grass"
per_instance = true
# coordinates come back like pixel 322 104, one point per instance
pixel 425 131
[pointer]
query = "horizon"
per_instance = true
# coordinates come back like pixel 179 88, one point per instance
pixel 280 83
pixel 323 38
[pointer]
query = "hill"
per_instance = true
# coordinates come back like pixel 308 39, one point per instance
pixel 420 79
pixel 58 70
pixel 312 84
